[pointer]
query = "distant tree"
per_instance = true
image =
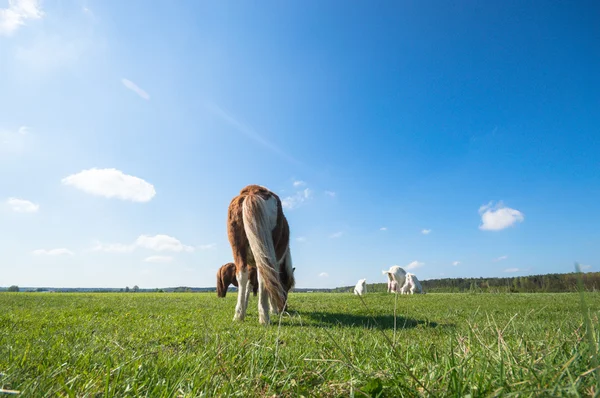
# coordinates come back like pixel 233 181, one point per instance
pixel 13 288
pixel 136 288
pixel 127 289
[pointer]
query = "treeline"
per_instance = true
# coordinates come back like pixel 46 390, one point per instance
pixel 548 283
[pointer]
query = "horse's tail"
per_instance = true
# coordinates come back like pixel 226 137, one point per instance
pixel 258 228
pixel 221 288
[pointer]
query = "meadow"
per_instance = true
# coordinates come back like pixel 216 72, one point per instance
pixel 186 345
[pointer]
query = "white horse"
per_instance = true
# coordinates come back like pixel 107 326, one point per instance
pixel 405 288
pixel 361 287
pixel 415 285
pixel 396 277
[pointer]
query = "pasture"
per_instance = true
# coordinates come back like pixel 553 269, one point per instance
pixel 186 345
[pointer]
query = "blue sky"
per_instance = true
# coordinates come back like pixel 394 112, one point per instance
pixel 127 128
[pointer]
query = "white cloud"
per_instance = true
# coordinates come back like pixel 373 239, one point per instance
pixel 582 266
pixel 111 183
pixel 383 229
pixel 17 12
pixel 133 87
pixel 53 252
pixel 22 205
pixel 299 183
pixel 455 263
pixel 301 239
pixel 512 270
pixel 292 202
pixel 323 275
pixel 207 246
pixel 113 247
pixel 500 258
pixel 425 231
pixel 156 243
pixel 86 10
pixel 330 194
pixel 336 235
pixel 158 259
pixel 495 218
pixel 413 265
pixel 162 243
pixel 12 141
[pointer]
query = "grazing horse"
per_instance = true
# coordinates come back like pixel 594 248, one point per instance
pixel 259 236
pixel 361 287
pixel 415 285
pixel 392 286
pixel 404 289
pixel 226 277
pixel 395 274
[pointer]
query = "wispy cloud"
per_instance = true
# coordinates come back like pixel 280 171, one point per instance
pixel 497 217
pixel 133 87
pixel 426 231
pixel 413 265
pixel 455 263
pixel 158 259
pixel 162 243
pixel 22 206
pixel 301 239
pixel 323 275
pixel 292 202
pixel 383 229
pixel 14 141
pixel 582 266
pixel 331 194
pixel 157 243
pixel 113 247
pixel 17 13
pixel 336 235
pixel 111 183
pixel 500 258
pixel 512 270
pixel 248 131
pixel 53 252
pixel 299 183
pixel 207 246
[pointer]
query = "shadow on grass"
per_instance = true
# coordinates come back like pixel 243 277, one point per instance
pixel 329 319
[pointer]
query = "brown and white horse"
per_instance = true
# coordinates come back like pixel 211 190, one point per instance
pixel 259 236
pixel 226 277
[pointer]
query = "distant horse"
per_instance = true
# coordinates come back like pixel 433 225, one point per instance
pixel 395 274
pixel 361 287
pixel 226 277
pixel 414 284
pixel 259 236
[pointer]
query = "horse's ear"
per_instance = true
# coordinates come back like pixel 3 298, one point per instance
pixel 294 269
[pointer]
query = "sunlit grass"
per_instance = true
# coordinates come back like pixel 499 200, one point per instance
pixel 180 344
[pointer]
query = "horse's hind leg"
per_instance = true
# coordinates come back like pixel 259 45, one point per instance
pixel 242 298
pixel 263 302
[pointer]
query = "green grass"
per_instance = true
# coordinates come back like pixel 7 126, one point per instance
pixel 168 345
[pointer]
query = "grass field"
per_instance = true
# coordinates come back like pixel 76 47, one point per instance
pixel 180 344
